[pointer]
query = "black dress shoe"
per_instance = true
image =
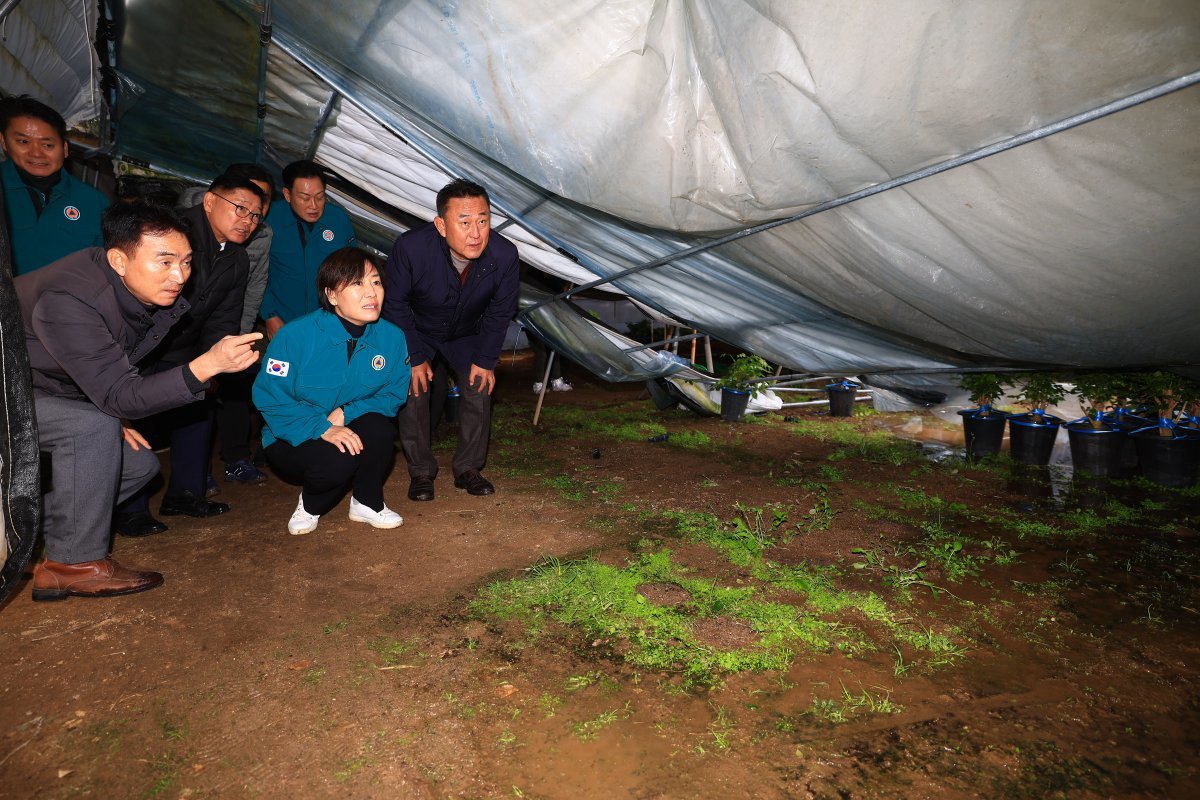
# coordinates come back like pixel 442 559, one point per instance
pixel 474 483
pixel 137 523
pixel 420 488
pixel 190 505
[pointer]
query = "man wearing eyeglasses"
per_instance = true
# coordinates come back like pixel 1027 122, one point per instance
pixel 231 210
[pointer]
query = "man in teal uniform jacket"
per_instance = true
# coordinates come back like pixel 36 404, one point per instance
pixel 50 214
pixel 307 230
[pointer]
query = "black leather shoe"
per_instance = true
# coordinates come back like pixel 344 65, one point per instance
pixel 420 488
pixel 137 523
pixel 190 505
pixel 474 483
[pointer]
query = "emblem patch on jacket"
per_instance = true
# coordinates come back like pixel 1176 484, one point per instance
pixel 277 367
pixel 327 235
pixel 378 363
pixel 71 213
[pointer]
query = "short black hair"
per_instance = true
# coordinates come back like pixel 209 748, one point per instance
pixel 342 267
pixel 225 182
pixel 26 106
pixel 459 187
pixel 124 224
pixel 253 172
pixel 302 169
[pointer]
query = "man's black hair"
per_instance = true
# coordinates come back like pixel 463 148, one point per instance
pixel 459 187
pixel 124 224
pixel 253 172
pixel 341 268
pixel 26 106
pixel 227 182
pixel 302 169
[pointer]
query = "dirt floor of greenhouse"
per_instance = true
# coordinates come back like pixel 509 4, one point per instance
pixel 351 663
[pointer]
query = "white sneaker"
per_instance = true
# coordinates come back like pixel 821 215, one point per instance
pixel 560 385
pixel 537 387
pixel 302 522
pixel 376 519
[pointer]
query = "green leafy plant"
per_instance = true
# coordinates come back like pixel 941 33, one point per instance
pixel 1100 393
pixel 1166 392
pixel 745 374
pixel 1038 390
pixel 984 388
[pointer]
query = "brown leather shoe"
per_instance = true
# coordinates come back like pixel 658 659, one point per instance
pixel 53 580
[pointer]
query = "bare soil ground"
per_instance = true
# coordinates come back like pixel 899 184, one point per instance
pixel 1052 653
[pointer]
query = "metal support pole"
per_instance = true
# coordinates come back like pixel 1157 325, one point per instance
pixel 6 7
pixel 264 45
pixel 537 411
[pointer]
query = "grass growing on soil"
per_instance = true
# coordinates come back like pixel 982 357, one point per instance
pixel 609 604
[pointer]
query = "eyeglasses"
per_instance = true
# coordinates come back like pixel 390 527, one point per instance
pixel 241 211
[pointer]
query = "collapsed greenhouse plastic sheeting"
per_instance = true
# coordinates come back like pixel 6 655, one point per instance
pixel 592 120
pixel 601 350
pixel 616 134
pixel 48 53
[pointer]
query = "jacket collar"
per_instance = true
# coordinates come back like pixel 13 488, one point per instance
pixel 204 242
pixel 332 330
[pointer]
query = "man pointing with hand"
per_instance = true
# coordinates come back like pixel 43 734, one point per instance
pixel 89 319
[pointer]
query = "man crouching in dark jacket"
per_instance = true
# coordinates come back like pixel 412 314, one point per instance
pixel 219 226
pixel 89 319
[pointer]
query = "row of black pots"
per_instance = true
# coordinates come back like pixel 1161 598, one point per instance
pixel 1117 448
pixel 841 401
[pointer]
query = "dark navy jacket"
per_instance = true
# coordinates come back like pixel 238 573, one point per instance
pixel 466 325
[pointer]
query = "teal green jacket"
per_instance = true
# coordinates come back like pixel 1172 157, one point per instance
pixel 305 376
pixel 292 280
pixel 69 222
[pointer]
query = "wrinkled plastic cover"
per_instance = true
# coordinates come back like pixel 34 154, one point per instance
pixel 624 132
pixel 47 53
pixel 616 133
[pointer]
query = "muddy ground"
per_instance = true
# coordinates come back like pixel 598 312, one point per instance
pixel 948 630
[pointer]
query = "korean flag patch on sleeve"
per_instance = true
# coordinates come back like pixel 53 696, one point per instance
pixel 277 367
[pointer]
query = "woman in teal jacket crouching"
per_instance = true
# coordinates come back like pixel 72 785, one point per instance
pixel 329 389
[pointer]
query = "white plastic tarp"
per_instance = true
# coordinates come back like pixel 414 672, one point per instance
pixel 620 132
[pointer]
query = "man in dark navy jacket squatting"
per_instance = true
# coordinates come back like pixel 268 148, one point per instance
pixel 452 288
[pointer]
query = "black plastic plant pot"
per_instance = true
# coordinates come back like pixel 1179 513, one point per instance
pixel 1096 450
pixel 841 398
pixel 1171 461
pixel 1031 438
pixel 1127 423
pixel 984 434
pixel 733 404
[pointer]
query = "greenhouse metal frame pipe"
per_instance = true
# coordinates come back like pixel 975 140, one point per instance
pixel 1129 101
pixel 6 8
pixel 314 139
pixel 264 45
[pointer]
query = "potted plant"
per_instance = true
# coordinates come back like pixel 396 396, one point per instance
pixel 1169 453
pixel 842 395
pixel 742 381
pixel 1032 434
pixel 1097 444
pixel 983 426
